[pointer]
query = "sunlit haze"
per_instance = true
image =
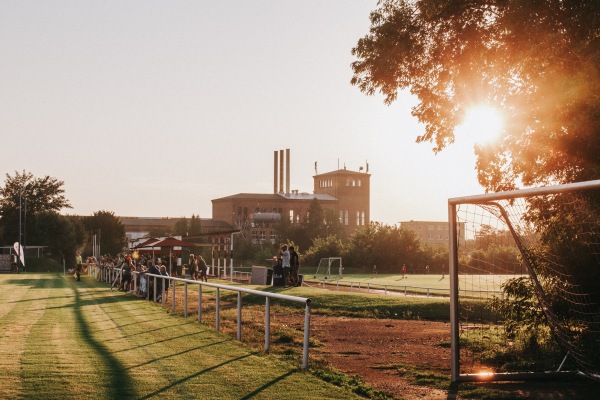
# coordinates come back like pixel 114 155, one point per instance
pixel 482 124
pixel 153 108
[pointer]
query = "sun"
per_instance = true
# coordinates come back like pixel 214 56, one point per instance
pixel 482 124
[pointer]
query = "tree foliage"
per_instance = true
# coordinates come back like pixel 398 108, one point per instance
pixel 538 61
pixel 63 235
pixel 112 231
pixel 388 247
pixel 36 195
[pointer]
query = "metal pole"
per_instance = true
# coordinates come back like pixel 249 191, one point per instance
pixel 200 303
pixel 185 305
pixel 174 286
pixel 19 241
pixel 217 307
pixel 306 335
pixel 453 272
pixel 267 324
pixel 239 315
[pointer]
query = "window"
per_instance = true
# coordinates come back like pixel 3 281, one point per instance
pixel 430 227
pixel 347 181
pixel 358 183
pixel 353 182
pixel 440 227
pixel 346 215
pixel 291 215
pixel 363 220
pixel 358 218
pixel 341 216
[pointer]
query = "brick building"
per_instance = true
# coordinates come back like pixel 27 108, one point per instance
pixel 344 191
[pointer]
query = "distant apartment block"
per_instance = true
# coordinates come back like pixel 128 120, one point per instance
pixel 433 232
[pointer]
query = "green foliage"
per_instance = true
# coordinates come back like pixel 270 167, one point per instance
pixel 537 60
pixel 112 231
pixel 330 246
pixel 63 235
pixel 32 196
pixel 388 247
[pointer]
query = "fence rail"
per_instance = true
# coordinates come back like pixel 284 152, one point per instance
pixel 110 275
pixel 368 287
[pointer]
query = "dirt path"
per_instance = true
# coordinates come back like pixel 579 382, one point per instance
pixel 378 349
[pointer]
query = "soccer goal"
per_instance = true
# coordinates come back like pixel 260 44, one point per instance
pixel 524 281
pixel 327 265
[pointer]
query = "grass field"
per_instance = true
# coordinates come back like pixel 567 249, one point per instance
pixel 63 339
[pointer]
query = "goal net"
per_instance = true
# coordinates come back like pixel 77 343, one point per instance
pixel 329 266
pixel 525 283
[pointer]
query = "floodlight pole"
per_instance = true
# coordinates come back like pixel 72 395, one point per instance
pixel 19 241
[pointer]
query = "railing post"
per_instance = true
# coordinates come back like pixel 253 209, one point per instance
pixel 267 324
pixel 154 289
pixel 162 294
pixel 217 313
pixel 173 305
pixel 239 315
pixel 200 303
pixel 306 335
pixel 185 305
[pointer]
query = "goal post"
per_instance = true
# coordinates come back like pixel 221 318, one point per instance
pixel 328 265
pixel 524 268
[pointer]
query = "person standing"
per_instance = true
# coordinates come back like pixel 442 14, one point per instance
pixel 294 267
pixel 193 267
pixel 403 271
pixel 285 263
pixel 203 268
pixel 78 264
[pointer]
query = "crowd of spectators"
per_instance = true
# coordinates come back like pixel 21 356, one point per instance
pixel 125 265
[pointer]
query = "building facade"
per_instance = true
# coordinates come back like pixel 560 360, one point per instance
pixel 433 232
pixel 345 192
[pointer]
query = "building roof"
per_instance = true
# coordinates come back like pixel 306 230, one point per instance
pixel 343 172
pixel 278 196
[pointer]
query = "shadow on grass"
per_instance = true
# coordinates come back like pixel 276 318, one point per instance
pixel 187 378
pixel 120 386
pixel 266 385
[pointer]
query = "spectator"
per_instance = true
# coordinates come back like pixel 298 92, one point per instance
pixel 193 267
pixel 159 283
pixel 203 269
pixel 294 267
pixel 285 263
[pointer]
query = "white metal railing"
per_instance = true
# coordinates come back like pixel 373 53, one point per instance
pixel 359 286
pixel 108 275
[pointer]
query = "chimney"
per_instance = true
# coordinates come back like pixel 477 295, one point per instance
pixel 280 171
pixel 275 161
pixel 287 171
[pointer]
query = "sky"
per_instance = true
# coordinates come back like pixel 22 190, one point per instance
pixel 153 108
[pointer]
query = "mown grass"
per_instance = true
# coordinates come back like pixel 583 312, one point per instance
pixel 72 340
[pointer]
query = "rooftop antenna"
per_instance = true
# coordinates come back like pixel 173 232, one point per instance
pixel 316 173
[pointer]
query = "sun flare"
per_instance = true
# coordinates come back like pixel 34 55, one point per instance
pixel 482 124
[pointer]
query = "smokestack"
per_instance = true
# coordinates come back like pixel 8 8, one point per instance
pixel 287 171
pixel 275 173
pixel 280 171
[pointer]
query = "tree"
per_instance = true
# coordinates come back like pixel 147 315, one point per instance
pixel 388 247
pixel 112 231
pixel 37 195
pixel 181 227
pixel 62 234
pixel 539 61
